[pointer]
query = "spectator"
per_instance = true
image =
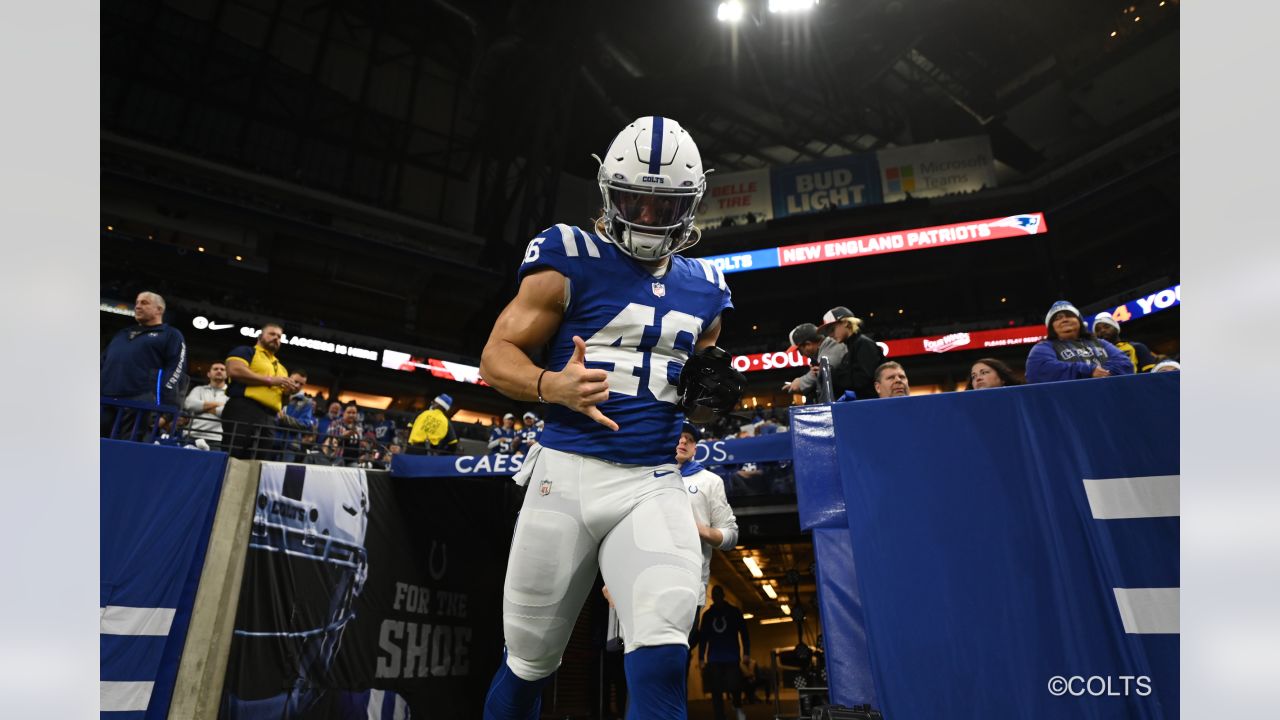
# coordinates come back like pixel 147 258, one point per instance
pixel 1167 366
pixel 205 403
pixel 432 432
pixel 258 385
pixel 384 430
pixel 717 527
pixel 349 433
pixel 891 380
pixel 529 433
pixel 1106 327
pixel 502 439
pixel 719 654
pixel 990 373
pixel 811 344
pixel 299 415
pixel 334 415
pixel 1071 352
pixel 144 363
pixel 862 354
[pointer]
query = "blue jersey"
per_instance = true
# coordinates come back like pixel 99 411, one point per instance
pixel 501 440
pixel 528 437
pixel 638 327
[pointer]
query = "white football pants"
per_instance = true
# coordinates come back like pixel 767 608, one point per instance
pixel 632 522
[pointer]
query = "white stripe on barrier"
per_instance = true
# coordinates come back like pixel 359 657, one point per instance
pixel 122 620
pixel 124 696
pixel 1146 611
pixel 401 711
pixel 1136 497
pixel 373 711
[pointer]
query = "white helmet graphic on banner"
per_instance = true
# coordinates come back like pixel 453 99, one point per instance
pixel 651 182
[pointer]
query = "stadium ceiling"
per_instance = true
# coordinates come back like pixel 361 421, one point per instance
pixel 419 92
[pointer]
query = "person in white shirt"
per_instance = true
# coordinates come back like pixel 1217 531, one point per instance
pixel 717 526
pixel 205 402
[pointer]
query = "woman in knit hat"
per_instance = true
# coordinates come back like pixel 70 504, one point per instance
pixel 1071 352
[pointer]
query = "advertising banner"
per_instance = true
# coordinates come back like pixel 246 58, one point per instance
pixel 732 196
pixel 1144 306
pixel 829 184
pixel 369 596
pixel 940 168
pixel 898 241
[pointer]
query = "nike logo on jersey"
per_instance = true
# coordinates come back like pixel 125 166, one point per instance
pixel 350 510
pixel 660 473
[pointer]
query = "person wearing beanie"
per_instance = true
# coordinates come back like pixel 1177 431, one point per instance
pixel 528 435
pixel 1167 366
pixel 862 356
pixel 1071 352
pixel 432 432
pixel 502 440
pixel 811 344
pixel 1106 327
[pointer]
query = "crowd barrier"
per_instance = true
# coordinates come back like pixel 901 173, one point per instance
pixel 1001 553
pixel 156 510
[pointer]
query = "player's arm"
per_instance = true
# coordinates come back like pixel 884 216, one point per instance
pixel 527 323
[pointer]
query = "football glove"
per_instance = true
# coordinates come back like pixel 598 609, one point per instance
pixel 709 379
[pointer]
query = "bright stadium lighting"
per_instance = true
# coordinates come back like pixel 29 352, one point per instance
pixel 768 590
pixel 730 12
pixel 786 609
pixel 790 6
pixel 775 621
pixel 747 616
pixel 750 562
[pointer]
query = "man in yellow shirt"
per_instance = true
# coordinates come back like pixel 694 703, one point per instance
pixel 432 433
pixel 258 384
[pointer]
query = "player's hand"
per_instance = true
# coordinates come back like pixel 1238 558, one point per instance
pixel 580 388
pixel 1101 372
pixel 814 370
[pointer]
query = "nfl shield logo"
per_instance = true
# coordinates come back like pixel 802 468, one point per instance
pixel 659 290
pixel 545 488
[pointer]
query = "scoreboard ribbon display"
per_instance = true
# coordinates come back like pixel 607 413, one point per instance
pixel 880 244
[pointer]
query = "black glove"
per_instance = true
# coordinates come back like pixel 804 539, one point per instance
pixel 709 379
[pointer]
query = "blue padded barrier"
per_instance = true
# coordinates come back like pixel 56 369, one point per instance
pixel 1004 539
pixel 156 510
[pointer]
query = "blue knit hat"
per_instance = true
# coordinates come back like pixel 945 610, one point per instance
pixel 443 401
pixel 1058 307
pixel 691 430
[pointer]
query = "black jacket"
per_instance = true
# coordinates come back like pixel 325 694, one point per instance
pixel 857 371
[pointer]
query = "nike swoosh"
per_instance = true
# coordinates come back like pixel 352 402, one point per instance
pixel 220 326
pixel 350 510
pixel 660 473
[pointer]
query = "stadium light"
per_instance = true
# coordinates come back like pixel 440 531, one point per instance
pixel 730 12
pixel 775 621
pixel 791 6
pixel 768 590
pixel 750 562
pixel 786 609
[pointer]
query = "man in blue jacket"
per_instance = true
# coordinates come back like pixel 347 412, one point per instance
pixel 1071 352
pixel 144 363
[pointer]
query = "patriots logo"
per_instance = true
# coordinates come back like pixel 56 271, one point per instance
pixel 659 290
pixel 1030 224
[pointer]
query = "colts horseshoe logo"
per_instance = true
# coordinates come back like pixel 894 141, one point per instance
pixel 431 561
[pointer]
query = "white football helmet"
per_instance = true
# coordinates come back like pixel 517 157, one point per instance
pixel 651 182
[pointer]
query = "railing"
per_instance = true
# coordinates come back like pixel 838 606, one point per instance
pixel 282 440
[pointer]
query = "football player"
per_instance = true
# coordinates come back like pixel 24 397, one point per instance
pixel 630 326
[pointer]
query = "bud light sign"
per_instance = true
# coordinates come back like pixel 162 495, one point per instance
pixel 843 182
